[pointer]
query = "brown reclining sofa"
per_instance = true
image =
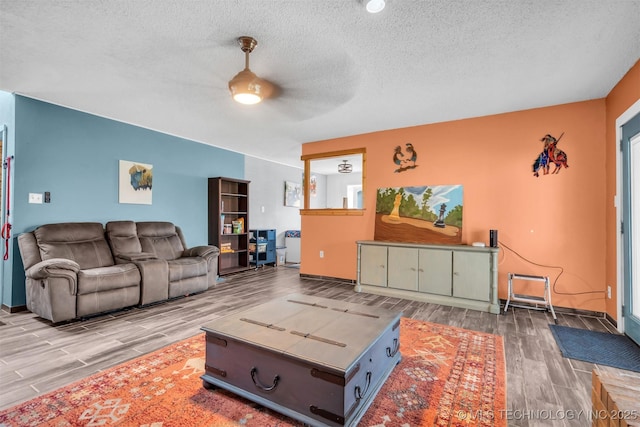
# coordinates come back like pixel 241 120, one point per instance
pixel 79 269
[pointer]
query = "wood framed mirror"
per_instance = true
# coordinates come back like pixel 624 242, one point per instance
pixel 334 182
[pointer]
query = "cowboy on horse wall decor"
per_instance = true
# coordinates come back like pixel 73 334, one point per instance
pixel 550 154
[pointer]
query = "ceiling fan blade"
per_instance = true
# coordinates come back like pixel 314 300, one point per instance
pixel 312 89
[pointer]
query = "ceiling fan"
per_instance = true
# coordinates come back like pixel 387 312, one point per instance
pixel 246 87
pixel 304 89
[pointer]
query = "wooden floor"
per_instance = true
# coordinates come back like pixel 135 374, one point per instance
pixel 36 357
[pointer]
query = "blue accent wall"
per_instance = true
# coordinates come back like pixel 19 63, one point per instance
pixel 75 156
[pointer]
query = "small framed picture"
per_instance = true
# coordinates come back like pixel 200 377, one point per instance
pixel 292 194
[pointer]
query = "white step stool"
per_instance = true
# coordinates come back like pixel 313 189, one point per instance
pixel 531 299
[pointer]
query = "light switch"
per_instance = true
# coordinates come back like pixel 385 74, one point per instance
pixel 35 197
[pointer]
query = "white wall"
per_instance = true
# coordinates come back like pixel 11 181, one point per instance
pixel 337 187
pixel 319 201
pixel 266 192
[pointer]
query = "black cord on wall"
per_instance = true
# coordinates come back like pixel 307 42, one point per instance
pixel 557 277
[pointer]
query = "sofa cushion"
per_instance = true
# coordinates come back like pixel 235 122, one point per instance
pixel 186 268
pixel 29 250
pixel 82 242
pixel 102 279
pixel 161 239
pixel 123 237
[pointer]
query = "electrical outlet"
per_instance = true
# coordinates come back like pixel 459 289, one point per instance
pixel 609 292
pixel 321 254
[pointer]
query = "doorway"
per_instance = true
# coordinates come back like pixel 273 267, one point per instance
pixel 628 212
pixel 3 217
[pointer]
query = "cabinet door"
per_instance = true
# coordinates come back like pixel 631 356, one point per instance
pixel 403 268
pixel 434 272
pixel 271 246
pixel 373 265
pixel 471 275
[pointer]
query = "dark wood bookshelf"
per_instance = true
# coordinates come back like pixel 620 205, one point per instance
pixel 229 203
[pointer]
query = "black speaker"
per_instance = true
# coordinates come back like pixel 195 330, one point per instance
pixel 493 238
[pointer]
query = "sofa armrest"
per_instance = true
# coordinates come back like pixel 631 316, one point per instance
pixel 48 268
pixel 55 269
pixel 137 256
pixel 202 251
pixel 210 254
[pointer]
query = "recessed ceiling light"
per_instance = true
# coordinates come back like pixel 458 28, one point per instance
pixel 375 6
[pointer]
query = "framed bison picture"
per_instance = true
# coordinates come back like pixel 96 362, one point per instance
pixel 135 182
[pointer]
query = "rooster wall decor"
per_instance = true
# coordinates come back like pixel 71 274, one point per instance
pixel 550 154
pixel 405 163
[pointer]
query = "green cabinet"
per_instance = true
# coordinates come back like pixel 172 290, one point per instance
pixel 462 276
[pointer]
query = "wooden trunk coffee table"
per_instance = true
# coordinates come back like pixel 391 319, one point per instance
pixel 317 360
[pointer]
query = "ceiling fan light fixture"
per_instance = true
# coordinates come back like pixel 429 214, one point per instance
pixel 247 98
pixel 345 167
pixel 246 87
pixel 375 6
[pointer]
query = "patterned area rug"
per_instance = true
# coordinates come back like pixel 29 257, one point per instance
pixel 447 377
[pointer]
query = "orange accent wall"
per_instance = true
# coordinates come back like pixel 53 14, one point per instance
pixel 621 97
pixel 554 220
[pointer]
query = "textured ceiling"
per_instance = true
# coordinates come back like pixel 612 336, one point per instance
pixel 165 64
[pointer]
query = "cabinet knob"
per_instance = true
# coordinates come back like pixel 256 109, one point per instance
pixel 421 270
pixel 382 266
